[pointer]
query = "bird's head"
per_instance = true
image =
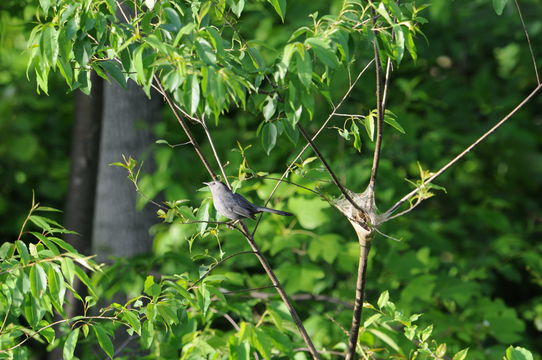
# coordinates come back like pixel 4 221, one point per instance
pixel 215 185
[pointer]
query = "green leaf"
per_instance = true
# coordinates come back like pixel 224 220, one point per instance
pixel 323 51
pixel 70 344
pixel 49 45
pixel 411 46
pixel 147 334
pixel 270 107
pixel 309 212
pixel 151 288
pixel 304 67
pixel 133 320
pixel 38 281
pixel 194 94
pixel 205 51
pixel 426 333
pixel 150 3
pixel 389 118
pixel 114 69
pixel 174 19
pixel 326 246
pixel 85 280
pixel 381 9
pixel 461 355
pixel 57 287
pixel 518 353
pixel 498 6
pixel 104 340
pixel 399 49
pixel 203 215
pixel 269 136
pixel 280 7
pixel 383 299
pixel 68 268
pixel 168 312
pixel 138 64
pixel 63 244
pixel 237 6
pixel 45 5
pixel 290 130
pixel 23 251
pixel 369 123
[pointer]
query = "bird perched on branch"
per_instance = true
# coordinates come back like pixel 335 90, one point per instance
pixel 234 206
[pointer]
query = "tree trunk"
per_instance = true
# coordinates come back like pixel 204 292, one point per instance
pixel 79 208
pixel 118 229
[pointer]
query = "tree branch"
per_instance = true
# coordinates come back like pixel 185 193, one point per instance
pixel 379 120
pixel 364 247
pixel 217 265
pixel 186 130
pixel 391 210
pixel 528 43
pixel 280 290
pixel 328 168
pixel 215 154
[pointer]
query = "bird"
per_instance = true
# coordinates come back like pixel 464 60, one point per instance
pixel 234 206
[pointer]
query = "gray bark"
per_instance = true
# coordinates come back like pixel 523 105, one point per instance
pixel 119 229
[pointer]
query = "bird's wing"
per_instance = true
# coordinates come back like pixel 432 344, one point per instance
pixel 244 207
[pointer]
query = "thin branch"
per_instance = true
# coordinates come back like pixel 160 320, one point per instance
pixel 379 120
pixel 280 290
pixel 230 292
pixel 215 154
pixel 394 208
pixel 328 167
pixel 288 182
pixel 217 265
pixel 528 42
pixel 331 352
pixel 322 127
pixel 186 130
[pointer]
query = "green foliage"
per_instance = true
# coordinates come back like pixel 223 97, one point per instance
pixel 459 256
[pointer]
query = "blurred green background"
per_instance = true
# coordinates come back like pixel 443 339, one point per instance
pixel 469 259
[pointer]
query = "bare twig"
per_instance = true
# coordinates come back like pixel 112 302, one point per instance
pixel 230 292
pixel 217 265
pixel 394 208
pixel 528 43
pixel 328 167
pixel 215 154
pixel 280 290
pixel 186 130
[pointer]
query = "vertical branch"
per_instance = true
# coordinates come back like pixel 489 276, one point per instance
pixel 379 120
pixel 364 238
pixel 280 290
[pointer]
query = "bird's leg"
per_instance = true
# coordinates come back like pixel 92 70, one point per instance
pixel 232 224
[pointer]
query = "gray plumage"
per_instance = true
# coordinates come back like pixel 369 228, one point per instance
pixel 234 206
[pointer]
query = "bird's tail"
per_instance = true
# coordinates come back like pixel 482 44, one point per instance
pixel 274 211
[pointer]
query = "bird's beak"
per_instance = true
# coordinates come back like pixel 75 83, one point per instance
pixel 207 183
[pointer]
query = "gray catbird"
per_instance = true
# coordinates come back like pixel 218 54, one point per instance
pixel 234 206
